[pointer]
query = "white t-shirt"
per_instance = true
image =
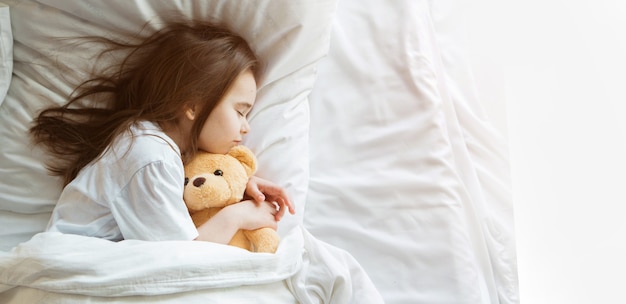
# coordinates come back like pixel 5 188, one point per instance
pixel 134 191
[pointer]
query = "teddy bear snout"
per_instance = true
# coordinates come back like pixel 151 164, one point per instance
pixel 199 181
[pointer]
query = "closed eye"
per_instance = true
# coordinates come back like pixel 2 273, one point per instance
pixel 243 108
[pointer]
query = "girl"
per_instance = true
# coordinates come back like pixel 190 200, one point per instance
pixel 188 86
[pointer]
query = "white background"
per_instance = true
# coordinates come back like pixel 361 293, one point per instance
pixel 552 77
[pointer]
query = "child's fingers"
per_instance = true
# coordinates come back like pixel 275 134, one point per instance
pixel 274 211
pixel 255 193
pixel 284 201
pixel 292 208
pixel 280 205
pixel 280 211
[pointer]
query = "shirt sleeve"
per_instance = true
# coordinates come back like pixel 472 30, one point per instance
pixel 150 207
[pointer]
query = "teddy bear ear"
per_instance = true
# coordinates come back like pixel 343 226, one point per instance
pixel 246 157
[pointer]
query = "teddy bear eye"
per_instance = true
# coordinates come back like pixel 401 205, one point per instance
pixel 186 181
pixel 218 172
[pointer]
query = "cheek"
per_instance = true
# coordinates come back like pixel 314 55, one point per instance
pixel 228 124
pixel 206 134
pixel 216 121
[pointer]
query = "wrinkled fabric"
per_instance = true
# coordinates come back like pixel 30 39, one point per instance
pixel 76 268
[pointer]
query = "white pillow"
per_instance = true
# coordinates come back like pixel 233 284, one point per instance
pixel 6 51
pixel 289 37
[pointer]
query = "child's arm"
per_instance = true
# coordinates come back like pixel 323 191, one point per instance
pixel 261 190
pixel 246 215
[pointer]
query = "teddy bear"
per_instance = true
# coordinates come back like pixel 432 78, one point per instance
pixel 213 181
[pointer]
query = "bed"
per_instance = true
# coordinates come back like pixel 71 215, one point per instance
pixel 366 113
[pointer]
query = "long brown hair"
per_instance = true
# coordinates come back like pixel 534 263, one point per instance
pixel 185 62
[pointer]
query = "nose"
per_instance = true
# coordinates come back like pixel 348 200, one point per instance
pixel 199 181
pixel 245 127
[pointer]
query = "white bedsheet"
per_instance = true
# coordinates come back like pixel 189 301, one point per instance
pixel 6 51
pixel 407 174
pixel 73 268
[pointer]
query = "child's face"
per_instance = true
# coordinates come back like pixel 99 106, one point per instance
pixel 227 123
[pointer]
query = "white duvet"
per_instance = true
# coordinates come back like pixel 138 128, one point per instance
pixel 74 268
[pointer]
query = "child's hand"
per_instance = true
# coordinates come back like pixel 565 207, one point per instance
pixel 261 190
pixel 251 215
pixel 247 215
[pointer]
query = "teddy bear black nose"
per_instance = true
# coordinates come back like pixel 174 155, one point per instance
pixel 199 181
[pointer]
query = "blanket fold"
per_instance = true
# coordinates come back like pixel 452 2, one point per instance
pixel 81 267
pixel 65 263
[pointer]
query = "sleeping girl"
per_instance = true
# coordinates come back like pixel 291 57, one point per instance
pixel 186 87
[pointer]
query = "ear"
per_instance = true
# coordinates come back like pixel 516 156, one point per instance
pixel 190 111
pixel 245 157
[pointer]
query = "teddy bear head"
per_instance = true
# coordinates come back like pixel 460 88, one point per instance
pixel 217 180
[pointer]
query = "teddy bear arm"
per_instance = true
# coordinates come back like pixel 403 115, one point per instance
pixel 241 240
pixel 263 240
